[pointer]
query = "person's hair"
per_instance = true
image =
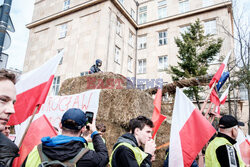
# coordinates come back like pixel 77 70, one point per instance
pixel 140 123
pixel 101 127
pixel 7 75
pixel 70 123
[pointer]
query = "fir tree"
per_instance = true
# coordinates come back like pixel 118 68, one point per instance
pixel 196 51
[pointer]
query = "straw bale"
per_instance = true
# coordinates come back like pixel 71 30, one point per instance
pixel 118 106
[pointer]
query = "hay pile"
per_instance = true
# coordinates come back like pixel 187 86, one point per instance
pixel 118 106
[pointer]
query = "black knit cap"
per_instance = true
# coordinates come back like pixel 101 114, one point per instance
pixel 228 121
pixel 77 116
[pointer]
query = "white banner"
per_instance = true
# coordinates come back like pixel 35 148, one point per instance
pixel 55 106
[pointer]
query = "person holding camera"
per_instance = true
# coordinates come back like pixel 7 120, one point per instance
pixel 128 151
pixel 70 147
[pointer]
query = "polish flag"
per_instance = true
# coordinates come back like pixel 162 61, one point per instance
pixel 223 99
pixel 32 89
pixel 39 128
pixel 223 67
pixel 190 131
pixel 243 147
pixel 157 117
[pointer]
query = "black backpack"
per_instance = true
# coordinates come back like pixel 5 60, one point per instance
pixel 47 162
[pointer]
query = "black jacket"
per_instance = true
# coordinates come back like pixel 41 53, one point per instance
pixel 94 69
pixel 97 158
pixel 222 152
pixel 124 156
pixel 8 151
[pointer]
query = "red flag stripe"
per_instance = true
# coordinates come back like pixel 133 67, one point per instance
pixel 191 136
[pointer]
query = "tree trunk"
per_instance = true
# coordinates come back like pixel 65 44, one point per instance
pixel 197 98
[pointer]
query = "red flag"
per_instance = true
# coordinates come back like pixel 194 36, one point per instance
pixel 39 128
pixel 214 98
pixel 217 75
pixel 190 131
pixel 32 89
pixel 157 117
pixel 243 147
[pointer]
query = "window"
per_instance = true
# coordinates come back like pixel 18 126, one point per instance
pixel 63 31
pixel 163 38
pixel 118 27
pixel 130 63
pixel 243 92
pixel 117 54
pixel 206 3
pixel 142 42
pixel 56 85
pixel 60 51
pixel 184 29
pixel 210 27
pixel 142 14
pixel 183 6
pixel 84 73
pixel 142 66
pixel 132 13
pixel 162 9
pixel 163 63
pixel 66 4
pixel 131 39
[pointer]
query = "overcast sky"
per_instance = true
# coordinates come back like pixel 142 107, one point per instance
pixel 21 14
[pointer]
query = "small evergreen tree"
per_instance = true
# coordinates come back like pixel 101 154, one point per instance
pixel 196 51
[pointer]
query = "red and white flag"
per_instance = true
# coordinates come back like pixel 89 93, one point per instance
pixel 243 147
pixel 157 117
pixel 190 131
pixel 32 89
pixel 39 128
pixel 223 99
pixel 217 75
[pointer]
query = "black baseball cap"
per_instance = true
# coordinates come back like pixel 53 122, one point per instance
pixel 77 116
pixel 228 121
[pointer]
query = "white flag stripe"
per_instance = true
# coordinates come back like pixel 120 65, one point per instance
pixel 183 108
pixel 31 79
pixel 225 93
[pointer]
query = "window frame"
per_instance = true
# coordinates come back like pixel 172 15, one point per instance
pixel 162 8
pixel 56 85
pixel 165 63
pixel 142 42
pixel 184 6
pixel 208 27
pixel 163 38
pixel 117 58
pixel 66 4
pixel 63 30
pixel 142 15
pixel 144 66
pixel 130 63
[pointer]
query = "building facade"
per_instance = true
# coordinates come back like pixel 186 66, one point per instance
pixel 132 38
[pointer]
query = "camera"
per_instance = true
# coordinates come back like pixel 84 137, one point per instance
pixel 89 116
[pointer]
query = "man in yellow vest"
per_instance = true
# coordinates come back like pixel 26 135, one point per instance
pixel 70 147
pixel 128 151
pixel 221 152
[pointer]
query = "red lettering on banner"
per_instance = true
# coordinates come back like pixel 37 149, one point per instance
pixel 67 104
pixel 61 104
pixel 76 102
pixel 86 106
pixel 91 82
pixel 57 104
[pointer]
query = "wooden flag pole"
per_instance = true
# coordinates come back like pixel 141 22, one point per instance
pixel 209 108
pixel 26 130
pixel 205 102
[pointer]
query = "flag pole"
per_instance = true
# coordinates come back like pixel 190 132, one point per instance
pixel 205 102
pixel 26 130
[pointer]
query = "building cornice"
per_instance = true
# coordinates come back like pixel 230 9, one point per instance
pixel 187 14
pixel 126 14
pixel 63 13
